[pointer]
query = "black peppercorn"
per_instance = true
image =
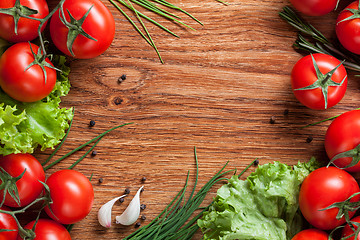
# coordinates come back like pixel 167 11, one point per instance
pixel 121 200
pixel 272 120
pixel 92 123
pixel 309 139
pixel 127 191
pixel 121 78
pixel 142 206
pixel 138 224
pixel 143 217
pixel 93 153
pixel 256 162
pixel 101 180
pixel 143 179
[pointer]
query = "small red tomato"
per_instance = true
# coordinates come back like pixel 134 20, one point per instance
pixel 343 137
pixel 347 231
pixel 319 81
pixel 7 222
pixel 72 195
pixel 322 188
pixel 348 28
pixel 314 7
pixel 27 29
pixel 46 229
pixel 311 234
pixel 98 28
pixel 20 82
pixel 29 186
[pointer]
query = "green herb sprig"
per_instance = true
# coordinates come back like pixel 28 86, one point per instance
pixel 316 41
pixel 175 221
pixel 155 6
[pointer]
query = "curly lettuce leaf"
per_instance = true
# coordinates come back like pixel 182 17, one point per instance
pixel 262 207
pixel 26 126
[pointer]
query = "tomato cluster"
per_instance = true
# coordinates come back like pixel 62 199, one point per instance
pixel 320 81
pixel 330 196
pixel 67 196
pixel 79 28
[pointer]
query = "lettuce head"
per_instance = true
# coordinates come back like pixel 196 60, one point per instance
pixel 26 126
pixel 262 207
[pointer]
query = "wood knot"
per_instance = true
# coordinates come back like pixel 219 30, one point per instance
pixel 118 101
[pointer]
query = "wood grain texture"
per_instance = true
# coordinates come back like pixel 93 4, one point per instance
pixel 217 90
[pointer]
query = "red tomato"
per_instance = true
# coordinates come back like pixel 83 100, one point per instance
pixel 47 229
pixel 314 7
pixel 320 189
pixel 99 24
pixel 27 28
pixel 313 234
pixel 28 186
pixel 304 75
pixel 347 231
pixel 72 195
pixel 29 85
pixel 343 135
pixel 348 31
pixel 8 222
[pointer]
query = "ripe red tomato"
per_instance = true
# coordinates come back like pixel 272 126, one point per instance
pixel 322 188
pixel 9 223
pixel 348 31
pixel 347 231
pixel 343 135
pixel 314 7
pixel 319 84
pixel 47 229
pixel 29 85
pixel 99 24
pixel 72 195
pixel 313 234
pixel 28 186
pixel 27 28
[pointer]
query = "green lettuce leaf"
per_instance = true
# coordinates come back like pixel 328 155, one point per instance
pixel 262 207
pixel 26 126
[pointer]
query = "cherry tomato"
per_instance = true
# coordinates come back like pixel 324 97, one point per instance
pixel 47 229
pixel 8 222
pixel 314 7
pixel 72 195
pixel 28 186
pixel 347 231
pixel 304 75
pixel 313 234
pixel 27 29
pixel 348 30
pixel 343 135
pixel 322 188
pixel 29 85
pixel 99 24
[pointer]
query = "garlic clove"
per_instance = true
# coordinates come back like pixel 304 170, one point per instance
pixel 104 214
pixel 132 212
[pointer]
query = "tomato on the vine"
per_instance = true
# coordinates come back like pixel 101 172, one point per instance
pixel 322 188
pixel 46 229
pixel 319 81
pixel 96 24
pixel 342 141
pixel 347 231
pixel 312 233
pixel 348 27
pixel 7 222
pixel 314 7
pixel 27 29
pixel 24 74
pixel 72 196
pixel 28 186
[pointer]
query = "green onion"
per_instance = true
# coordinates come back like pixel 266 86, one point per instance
pixel 173 222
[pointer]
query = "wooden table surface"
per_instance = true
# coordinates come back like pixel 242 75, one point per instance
pixel 217 91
